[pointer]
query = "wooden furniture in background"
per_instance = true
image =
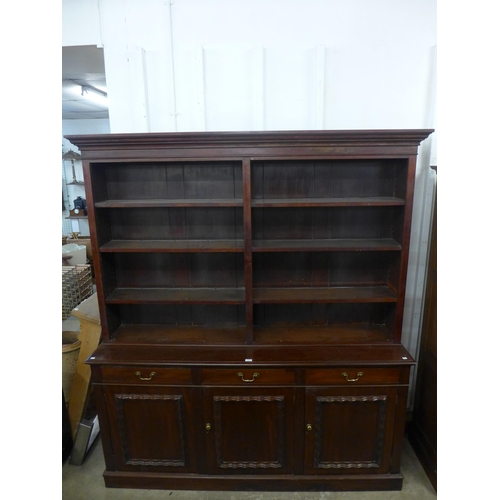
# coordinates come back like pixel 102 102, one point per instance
pixel 251 290
pixel 423 430
pixel 90 333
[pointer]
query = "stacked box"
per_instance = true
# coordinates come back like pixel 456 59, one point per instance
pixel 76 287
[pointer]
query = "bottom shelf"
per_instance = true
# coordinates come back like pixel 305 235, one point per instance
pixel 263 335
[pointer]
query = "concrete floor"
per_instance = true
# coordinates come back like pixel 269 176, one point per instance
pixel 85 482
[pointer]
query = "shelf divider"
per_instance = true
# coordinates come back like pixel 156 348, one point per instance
pixel 247 225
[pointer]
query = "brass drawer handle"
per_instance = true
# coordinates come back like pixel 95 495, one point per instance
pixel 254 376
pixel 344 374
pixel 309 427
pixel 151 375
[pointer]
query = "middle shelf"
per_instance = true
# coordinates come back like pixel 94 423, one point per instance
pixel 159 295
pixel 237 245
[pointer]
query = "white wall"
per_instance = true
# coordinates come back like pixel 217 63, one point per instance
pixel 185 65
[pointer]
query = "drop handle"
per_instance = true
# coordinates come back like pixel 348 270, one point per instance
pixel 344 374
pixel 151 375
pixel 254 376
pixel 208 427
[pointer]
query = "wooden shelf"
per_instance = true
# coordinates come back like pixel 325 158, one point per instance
pixel 382 244
pixel 382 201
pixel 74 217
pixel 168 334
pixel 322 334
pixel 263 335
pixel 162 203
pixel 173 246
pixel 176 296
pixel 323 295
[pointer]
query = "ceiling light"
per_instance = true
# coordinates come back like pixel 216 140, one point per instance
pixel 88 88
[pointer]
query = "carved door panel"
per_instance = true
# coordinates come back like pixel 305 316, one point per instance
pixel 249 430
pixel 152 428
pixel 349 430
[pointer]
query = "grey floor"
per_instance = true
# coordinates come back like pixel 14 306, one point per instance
pixel 85 482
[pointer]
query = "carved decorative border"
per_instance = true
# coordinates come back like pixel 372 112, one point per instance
pixel 178 399
pixel 382 410
pixel 277 464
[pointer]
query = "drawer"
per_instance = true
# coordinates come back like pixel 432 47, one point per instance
pixel 357 375
pixel 248 376
pixel 146 375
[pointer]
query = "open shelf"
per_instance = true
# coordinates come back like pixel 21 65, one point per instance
pixel 323 295
pixel 169 203
pixel 372 201
pixel 176 296
pixel 322 334
pixel 172 246
pixel 326 245
pixel 263 335
pixel 178 334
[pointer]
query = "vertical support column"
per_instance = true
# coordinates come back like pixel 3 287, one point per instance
pixel 405 243
pixel 247 225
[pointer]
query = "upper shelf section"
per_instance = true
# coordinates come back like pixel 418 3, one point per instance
pixel 167 184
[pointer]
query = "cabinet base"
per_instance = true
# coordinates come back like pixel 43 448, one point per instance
pixel 358 482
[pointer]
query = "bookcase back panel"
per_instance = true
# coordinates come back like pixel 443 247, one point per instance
pixel 178 270
pixel 321 269
pixel 175 223
pixel 326 223
pixel 321 314
pixel 182 315
pixel 327 178
pixel 208 180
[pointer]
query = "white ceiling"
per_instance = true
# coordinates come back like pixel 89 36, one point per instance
pixel 83 65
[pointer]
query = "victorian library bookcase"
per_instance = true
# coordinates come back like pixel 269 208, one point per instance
pixel 251 290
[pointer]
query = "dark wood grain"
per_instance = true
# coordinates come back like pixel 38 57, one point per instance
pixel 176 296
pixel 329 202
pixel 181 246
pixel 332 245
pixel 278 253
pixel 320 295
pixel 169 203
pixel 247 219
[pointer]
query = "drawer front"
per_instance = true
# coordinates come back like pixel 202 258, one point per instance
pixel 146 375
pixel 360 375
pixel 248 376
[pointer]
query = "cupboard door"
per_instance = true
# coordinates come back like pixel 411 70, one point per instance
pixel 349 430
pixel 249 430
pixel 152 429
